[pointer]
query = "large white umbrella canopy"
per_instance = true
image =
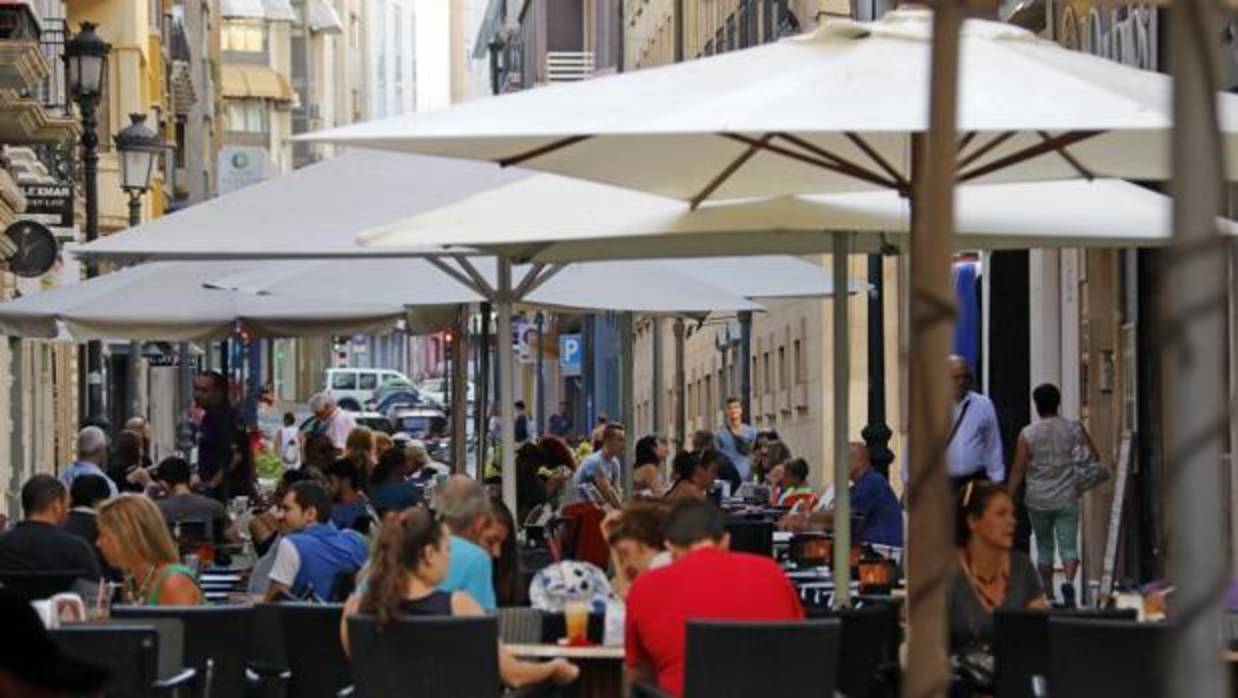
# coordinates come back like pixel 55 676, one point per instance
pixel 169 302
pixel 550 218
pixel 310 213
pixel 828 111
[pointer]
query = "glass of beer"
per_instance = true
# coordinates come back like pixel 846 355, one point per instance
pixel 576 618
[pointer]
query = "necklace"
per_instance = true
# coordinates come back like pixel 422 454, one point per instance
pixel 141 590
pixel 990 591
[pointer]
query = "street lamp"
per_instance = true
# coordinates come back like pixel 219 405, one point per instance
pixel 139 149
pixel 85 56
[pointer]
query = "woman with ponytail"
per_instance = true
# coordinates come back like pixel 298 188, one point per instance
pixel 409 562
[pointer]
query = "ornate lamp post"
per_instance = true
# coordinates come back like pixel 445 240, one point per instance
pixel 85 55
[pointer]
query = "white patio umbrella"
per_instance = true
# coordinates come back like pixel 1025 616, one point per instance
pixel 167 301
pixel 843 108
pixel 526 221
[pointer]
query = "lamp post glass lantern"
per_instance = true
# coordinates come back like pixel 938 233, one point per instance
pixel 85 56
pixel 139 149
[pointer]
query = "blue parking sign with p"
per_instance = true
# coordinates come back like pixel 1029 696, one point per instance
pixel 571 353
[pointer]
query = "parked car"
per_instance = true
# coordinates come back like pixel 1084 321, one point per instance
pixel 411 398
pixel 374 421
pixel 418 422
pixel 435 389
pixel 352 387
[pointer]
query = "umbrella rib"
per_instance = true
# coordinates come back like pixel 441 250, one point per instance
pixel 523 287
pixel 1055 143
pixel 811 160
pixel 848 167
pixel 446 269
pixel 982 150
pixel 486 289
pixel 727 171
pixel 1070 159
pixel 541 150
pixel 966 141
pixel 876 157
pixel 544 277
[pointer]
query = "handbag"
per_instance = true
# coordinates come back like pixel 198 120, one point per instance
pixel 1089 471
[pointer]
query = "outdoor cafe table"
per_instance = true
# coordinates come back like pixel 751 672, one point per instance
pixel 601 666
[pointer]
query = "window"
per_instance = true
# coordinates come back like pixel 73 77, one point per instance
pixel 246 37
pixel 181 144
pixel 768 379
pixel 369 381
pixel 247 116
pixel 782 368
pixel 344 380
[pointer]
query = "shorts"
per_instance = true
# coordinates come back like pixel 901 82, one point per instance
pixel 1061 525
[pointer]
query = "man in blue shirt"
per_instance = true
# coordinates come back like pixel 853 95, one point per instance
pixel 313 553
pixel 602 470
pixel 872 500
pixel 736 439
pixel 465 509
pixel 91 456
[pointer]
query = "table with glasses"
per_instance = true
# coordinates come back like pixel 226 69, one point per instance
pixel 601 666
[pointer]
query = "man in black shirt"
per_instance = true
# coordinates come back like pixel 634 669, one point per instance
pixel 216 433
pixel 85 495
pixel 37 544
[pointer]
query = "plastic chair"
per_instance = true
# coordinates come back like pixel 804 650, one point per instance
pixel 744 659
pixel 312 648
pixel 1105 659
pixel 868 659
pixel 221 634
pixel 756 537
pixel 130 654
pixel 425 657
pixel 1021 645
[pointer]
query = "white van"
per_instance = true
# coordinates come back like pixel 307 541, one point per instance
pixel 353 386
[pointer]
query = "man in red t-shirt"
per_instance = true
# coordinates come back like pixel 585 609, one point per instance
pixel 705 582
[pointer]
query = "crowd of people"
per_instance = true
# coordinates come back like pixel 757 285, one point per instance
pixel 350 520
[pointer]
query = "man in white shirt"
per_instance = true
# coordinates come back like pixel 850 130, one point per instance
pixel 332 421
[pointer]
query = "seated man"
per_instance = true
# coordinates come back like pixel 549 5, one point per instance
pixel 349 508
pixel 872 499
pixel 91 457
pixel 85 496
pixel 37 544
pixel 705 581
pixel 312 553
pixel 602 470
pixel 182 505
pixel 464 507
pixel 389 490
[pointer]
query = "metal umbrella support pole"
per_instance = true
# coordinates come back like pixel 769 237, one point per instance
pixel 1195 332
pixel 931 541
pixel 842 420
pixel 504 298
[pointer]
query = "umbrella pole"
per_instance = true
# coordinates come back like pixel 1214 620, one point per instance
pixel 503 337
pixel 1194 325
pixel 842 420
pixel 459 389
pixel 930 540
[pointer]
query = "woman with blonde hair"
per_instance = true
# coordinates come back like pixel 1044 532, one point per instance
pixel 134 538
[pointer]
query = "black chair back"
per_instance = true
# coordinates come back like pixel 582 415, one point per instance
pixel 743 659
pixel 129 653
pixel 868 658
pixel 425 657
pixel 1105 658
pixel 218 633
pixel 756 537
pixel 1021 645
pixel 35 586
pixel 312 648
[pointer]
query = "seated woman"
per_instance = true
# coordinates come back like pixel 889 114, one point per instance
pixel 636 543
pixel 389 488
pixel 795 487
pixel 135 540
pixel 647 480
pixel 989 574
pixel 693 477
pixel 408 565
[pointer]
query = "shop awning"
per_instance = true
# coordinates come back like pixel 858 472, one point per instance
pixel 255 81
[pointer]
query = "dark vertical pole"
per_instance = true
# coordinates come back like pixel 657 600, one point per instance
pixel 540 385
pixel 679 31
pixel 90 175
pixel 745 363
pixel 483 388
pixel 877 433
pixel 134 360
pixel 655 403
pixel 681 407
pixel 460 394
